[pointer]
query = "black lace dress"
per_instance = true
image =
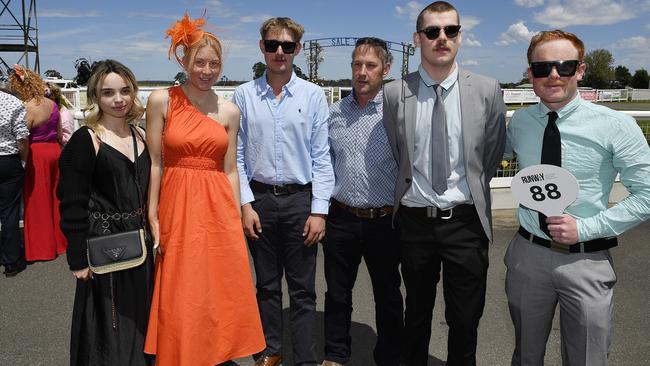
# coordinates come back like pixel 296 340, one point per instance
pixel 109 319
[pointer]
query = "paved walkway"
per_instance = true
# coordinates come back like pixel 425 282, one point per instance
pixel 35 310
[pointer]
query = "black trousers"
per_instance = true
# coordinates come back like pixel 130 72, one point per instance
pixel 348 239
pixel 281 250
pixel 460 247
pixel 11 184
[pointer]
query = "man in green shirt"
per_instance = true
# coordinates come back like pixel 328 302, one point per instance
pixel 566 258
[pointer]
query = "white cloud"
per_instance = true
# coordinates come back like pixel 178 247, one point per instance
pixel 469 63
pixel 468 22
pixel 153 15
pixel 217 9
pixel 470 40
pixel 638 42
pixel 586 12
pixel 516 33
pixel 59 13
pixel 529 3
pixel 65 33
pixel 258 18
pixel 411 10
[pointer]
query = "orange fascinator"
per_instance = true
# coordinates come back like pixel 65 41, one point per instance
pixel 20 72
pixel 185 32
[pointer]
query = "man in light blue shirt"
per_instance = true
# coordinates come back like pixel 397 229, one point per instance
pixel 286 181
pixel 565 258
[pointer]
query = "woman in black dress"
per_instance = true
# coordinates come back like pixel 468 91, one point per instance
pixel 99 196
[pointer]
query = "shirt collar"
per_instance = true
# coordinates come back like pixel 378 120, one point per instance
pixel 263 86
pixel 542 109
pixel 446 84
pixel 378 99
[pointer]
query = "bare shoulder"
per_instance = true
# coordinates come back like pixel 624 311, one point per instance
pixel 158 97
pixel 228 111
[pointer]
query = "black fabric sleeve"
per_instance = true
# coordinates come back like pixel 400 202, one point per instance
pixel 76 166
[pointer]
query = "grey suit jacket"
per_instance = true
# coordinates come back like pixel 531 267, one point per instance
pixel 483 115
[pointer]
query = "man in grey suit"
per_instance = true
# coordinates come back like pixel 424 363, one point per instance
pixel 446 127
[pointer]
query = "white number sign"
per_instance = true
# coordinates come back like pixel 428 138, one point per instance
pixel 548 189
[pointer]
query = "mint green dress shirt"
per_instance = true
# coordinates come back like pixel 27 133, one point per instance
pixel 597 144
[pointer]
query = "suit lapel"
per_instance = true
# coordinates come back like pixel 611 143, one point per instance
pixel 467 108
pixel 410 111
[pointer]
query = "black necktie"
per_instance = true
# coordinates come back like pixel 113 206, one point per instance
pixel 551 154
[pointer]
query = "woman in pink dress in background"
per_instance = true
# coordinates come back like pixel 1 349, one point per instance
pixel 43 237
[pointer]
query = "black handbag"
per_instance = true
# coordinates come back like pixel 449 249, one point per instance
pixel 124 250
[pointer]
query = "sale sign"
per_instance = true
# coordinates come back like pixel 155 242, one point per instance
pixel 548 189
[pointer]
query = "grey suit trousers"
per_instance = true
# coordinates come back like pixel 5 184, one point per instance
pixel 537 280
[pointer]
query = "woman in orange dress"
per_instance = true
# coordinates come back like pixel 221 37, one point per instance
pixel 204 310
pixel 43 237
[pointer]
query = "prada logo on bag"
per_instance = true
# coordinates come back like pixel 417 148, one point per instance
pixel 114 253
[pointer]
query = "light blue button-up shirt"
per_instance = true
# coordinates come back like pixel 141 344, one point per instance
pixel 421 193
pixel 597 144
pixel 284 141
pixel 364 166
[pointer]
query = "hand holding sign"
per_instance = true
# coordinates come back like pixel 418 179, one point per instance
pixel 548 189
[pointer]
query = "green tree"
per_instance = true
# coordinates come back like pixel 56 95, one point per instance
pixel 299 72
pixel 258 70
pixel 600 72
pixel 53 74
pixel 623 76
pixel 641 80
pixel 180 78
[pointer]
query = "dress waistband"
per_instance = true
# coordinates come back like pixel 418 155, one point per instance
pixel 194 162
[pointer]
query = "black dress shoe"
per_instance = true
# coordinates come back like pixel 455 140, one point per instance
pixel 14 269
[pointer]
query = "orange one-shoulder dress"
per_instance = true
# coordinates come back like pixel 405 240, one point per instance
pixel 204 310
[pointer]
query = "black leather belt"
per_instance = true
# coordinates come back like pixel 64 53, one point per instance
pixel 583 247
pixel 279 190
pixel 365 213
pixel 436 213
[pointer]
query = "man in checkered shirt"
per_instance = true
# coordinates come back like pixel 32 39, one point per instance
pixel 359 222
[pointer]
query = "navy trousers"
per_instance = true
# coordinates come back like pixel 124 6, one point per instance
pixel 11 184
pixel 281 250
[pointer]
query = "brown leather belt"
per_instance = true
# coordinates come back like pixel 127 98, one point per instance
pixel 365 213
pixel 583 247
pixel 279 190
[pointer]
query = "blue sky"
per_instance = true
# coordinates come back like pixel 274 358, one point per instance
pixel 496 33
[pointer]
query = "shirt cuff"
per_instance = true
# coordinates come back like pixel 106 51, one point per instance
pixel 319 206
pixel 246 194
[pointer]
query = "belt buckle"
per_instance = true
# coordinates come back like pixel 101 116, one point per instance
pixel 451 214
pixel 560 248
pixel 280 190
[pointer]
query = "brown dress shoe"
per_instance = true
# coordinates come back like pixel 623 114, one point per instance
pixel 269 360
pixel 330 363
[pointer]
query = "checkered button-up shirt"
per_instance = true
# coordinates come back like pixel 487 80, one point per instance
pixel 364 167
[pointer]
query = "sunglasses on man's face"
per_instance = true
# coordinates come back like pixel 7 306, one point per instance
pixel 271 46
pixel 542 69
pixel 432 33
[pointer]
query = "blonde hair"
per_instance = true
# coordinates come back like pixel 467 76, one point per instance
pixel 101 69
pixel 280 23
pixel 31 87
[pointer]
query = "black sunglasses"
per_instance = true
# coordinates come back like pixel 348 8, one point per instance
pixel 271 45
pixel 451 31
pixel 543 69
